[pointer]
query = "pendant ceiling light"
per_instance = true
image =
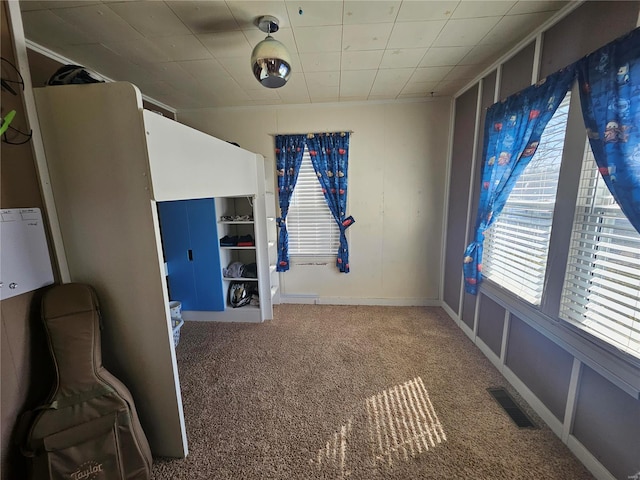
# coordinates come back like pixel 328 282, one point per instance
pixel 270 60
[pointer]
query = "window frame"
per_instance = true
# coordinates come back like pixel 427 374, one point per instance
pixel 600 355
pixel 308 255
pixel 498 271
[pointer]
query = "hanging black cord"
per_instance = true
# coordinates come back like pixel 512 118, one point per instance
pixel 7 86
pixel 28 136
pixel 6 82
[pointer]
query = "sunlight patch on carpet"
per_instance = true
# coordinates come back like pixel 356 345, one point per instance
pixel 334 453
pixel 403 422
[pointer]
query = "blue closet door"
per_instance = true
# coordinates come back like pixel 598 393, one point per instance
pixel 205 254
pixel 190 243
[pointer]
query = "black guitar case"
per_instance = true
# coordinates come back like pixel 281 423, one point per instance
pixel 88 429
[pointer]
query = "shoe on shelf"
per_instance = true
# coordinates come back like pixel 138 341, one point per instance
pixel 245 241
pixel 228 241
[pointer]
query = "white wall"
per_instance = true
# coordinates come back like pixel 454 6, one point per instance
pixel 397 176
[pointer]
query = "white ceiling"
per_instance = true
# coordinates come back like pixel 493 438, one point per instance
pixel 195 54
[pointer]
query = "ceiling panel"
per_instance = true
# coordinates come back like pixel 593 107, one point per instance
pixel 313 14
pixel 150 18
pixel 421 11
pixel 196 53
pixel 415 34
pixel 205 16
pixel 402 58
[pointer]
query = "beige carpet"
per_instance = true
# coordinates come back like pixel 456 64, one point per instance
pixel 356 392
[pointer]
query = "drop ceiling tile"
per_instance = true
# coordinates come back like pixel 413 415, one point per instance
pixel 323 79
pixel 53 4
pixel 423 88
pixel 533 6
pixel 182 47
pixel 361 60
pixel 314 13
pixel 359 12
pixel 395 76
pixel 320 62
pixel 422 11
pixel 151 18
pixel 99 21
pixel 240 69
pixel 513 27
pixel 429 74
pixel 205 16
pixel 463 72
pixel 402 57
pixel 356 83
pixel 450 87
pixel 476 9
pixel 140 51
pixel 46 28
pixel 465 32
pixel 381 90
pixel 296 87
pixel 227 44
pixel 248 12
pixel 262 93
pixel 439 56
pixel 482 54
pixel 325 94
pixel 204 70
pixel 415 34
pixel 174 75
pixel 366 37
pixel 318 39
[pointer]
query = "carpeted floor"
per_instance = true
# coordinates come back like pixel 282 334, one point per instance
pixel 356 392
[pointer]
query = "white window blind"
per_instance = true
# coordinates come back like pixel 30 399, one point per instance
pixel 517 245
pixel 602 285
pixel 311 226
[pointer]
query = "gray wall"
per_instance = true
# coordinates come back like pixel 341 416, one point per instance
pixel 594 413
pixel 607 422
pixel 461 164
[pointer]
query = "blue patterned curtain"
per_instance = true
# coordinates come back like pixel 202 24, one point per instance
pixel 289 151
pixel 513 129
pixel 329 154
pixel 610 95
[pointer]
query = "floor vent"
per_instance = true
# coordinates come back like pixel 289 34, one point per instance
pixel 514 411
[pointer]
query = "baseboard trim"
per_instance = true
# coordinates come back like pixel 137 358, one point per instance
pixel 490 354
pixel 454 316
pixel 391 302
pixel 240 315
pixel 588 460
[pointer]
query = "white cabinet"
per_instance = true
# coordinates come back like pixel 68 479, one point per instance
pixel 110 162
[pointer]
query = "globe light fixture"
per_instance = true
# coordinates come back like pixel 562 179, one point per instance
pixel 270 60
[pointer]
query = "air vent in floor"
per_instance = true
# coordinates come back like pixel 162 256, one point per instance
pixel 514 411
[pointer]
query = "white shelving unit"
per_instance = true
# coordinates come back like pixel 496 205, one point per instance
pixel 110 162
pixel 240 207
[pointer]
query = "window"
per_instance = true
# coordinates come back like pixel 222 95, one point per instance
pixel 517 244
pixel 601 292
pixel 311 226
